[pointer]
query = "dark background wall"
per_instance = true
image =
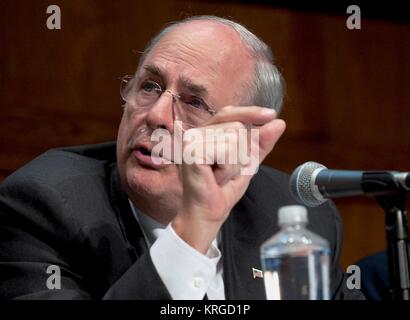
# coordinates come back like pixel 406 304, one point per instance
pixel 347 103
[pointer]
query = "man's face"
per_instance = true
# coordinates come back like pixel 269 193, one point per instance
pixel 198 54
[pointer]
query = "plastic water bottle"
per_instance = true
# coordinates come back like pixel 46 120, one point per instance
pixel 295 261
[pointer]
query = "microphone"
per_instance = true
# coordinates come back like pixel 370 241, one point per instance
pixel 312 183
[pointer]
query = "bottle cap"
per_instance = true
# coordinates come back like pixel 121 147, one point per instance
pixel 294 214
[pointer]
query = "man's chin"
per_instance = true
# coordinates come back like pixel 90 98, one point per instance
pixel 151 181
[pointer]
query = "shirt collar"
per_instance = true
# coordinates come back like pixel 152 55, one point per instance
pixel 151 228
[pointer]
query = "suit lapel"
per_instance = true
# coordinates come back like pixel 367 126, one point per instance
pixel 130 228
pixel 239 259
pixel 242 235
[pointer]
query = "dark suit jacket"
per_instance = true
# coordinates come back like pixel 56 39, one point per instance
pixel 375 276
pixel 68 208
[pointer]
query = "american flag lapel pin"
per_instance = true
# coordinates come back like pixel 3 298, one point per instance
pixel 257 273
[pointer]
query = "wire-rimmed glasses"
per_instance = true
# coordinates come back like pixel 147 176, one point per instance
pixel 191 110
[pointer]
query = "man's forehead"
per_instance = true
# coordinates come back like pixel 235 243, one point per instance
pixel 207 54
pixel 215 40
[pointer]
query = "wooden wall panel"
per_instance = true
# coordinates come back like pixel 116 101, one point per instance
pixel 347 103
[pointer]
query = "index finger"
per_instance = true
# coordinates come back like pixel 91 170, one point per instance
pixel 247 115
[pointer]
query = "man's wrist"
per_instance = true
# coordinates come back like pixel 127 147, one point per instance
pixel 196 233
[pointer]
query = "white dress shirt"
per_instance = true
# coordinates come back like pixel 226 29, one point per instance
pixel 186 273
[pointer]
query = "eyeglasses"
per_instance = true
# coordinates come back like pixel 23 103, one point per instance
pixel 191 110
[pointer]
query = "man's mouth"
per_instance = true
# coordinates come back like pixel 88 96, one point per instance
pixel 145 151
pixel 145 157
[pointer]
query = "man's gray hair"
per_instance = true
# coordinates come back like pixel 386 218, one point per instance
pixel 267 89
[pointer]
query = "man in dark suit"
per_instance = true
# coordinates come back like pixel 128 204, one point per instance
pixel 120 224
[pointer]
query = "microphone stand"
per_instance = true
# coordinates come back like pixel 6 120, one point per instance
pixel 398 250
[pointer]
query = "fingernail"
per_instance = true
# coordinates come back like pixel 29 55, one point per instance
pixel 269 112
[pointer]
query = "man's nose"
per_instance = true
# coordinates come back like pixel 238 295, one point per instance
pixel 161 114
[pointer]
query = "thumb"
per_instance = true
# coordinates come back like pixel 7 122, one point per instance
pixel 269 135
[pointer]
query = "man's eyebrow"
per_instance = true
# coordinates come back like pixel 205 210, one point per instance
pixel 196 89
pixel 153 69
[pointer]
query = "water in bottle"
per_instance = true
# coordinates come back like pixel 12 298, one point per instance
pixel 295 261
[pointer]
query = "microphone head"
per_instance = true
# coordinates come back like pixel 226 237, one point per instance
pixel 302 184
